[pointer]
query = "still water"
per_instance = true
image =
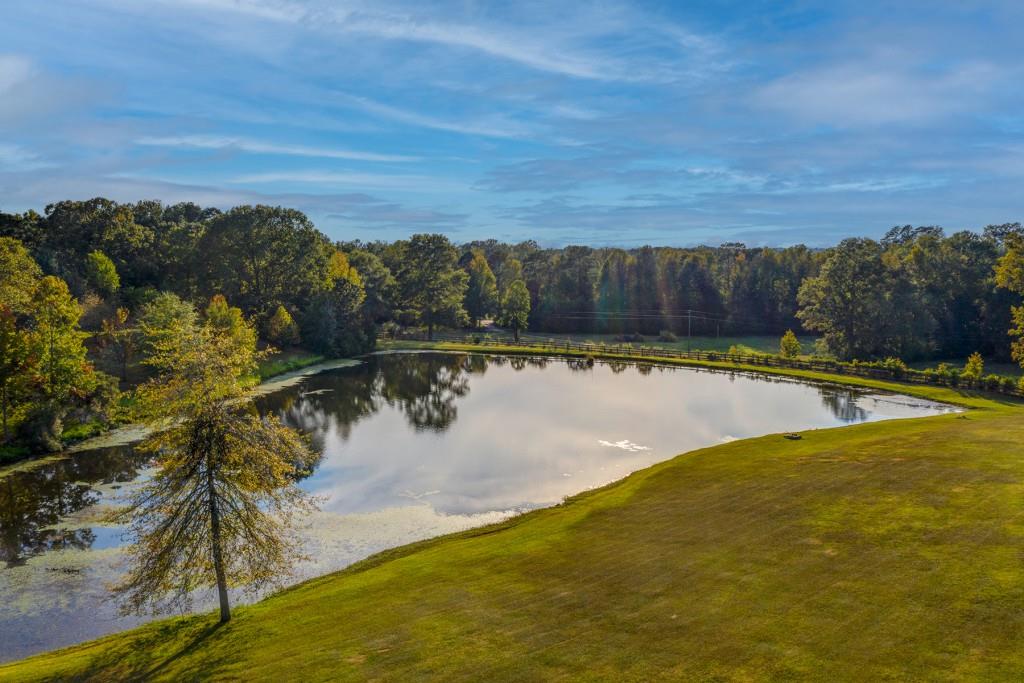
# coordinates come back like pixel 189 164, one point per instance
pixel 414 445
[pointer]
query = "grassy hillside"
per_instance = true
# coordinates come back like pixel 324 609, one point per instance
pixel 886 550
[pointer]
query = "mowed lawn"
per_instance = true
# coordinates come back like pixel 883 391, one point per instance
pixel 892 550
pixel 745 343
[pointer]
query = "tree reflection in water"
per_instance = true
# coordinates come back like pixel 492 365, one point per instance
pixel 34 501
pixel 426 388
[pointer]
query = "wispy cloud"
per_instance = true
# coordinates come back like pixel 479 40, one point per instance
pixel 259 147
pixel 496 126
pixel 368 180
pixel 879 92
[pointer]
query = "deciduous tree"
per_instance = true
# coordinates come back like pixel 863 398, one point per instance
pixel 515 307
pixel 482 289
pixel 431 283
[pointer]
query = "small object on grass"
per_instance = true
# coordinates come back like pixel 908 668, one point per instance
pixel 793 437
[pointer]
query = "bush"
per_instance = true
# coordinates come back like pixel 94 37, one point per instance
pixel 992 382
pixel 789 345
pixel 896 367
pixel 974 368
pixel 667 336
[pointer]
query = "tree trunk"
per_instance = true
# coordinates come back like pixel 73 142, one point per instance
pixel 430 330
pixel 515 331
pixel 3 403
pixel 218 559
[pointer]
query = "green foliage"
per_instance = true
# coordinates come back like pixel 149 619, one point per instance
pixel 332 324
pixel 789 345
pixel 57 342
pixel 229 323
pixel 102 274
pixel 15 368
pixel 974 368
pixel 431 285
pixel 860 303
pixel 164 319
pixel 1010 275
pixel 515 307
pixel 220 510
pixel 481 298
pixel 119 339
pixel 19 274
pixel 260 257
pixel 282 329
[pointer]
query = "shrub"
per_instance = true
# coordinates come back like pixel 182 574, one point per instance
pixel 667 336
pixel 948 374
pixel 896 367
pixel 974 368
pixel 789 345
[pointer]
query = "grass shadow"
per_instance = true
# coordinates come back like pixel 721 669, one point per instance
pixel 182 649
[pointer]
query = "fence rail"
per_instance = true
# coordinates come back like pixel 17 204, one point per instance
pixel 766 360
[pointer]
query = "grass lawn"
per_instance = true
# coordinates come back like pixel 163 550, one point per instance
pixel 749 343
pixel 287 361
pixel 892 550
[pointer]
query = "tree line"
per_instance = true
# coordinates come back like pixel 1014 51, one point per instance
pixel 89 286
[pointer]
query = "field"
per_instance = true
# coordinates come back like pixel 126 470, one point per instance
pixel 749 343
pixel 890 550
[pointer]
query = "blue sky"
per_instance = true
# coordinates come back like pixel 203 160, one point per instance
pixel 599 122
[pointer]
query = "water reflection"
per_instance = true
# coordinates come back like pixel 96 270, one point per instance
pixel 35 504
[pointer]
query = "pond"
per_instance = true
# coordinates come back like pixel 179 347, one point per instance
pixel 414 445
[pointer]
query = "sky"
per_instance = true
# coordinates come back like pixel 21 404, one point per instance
pixel 601 123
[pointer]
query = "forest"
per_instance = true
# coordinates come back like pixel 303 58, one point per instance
pixel 89 288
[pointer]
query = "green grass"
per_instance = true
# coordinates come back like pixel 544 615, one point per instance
pixel 79 431
pixel 746 344
pixel 287 361
pixel 10 453
pixel 890 550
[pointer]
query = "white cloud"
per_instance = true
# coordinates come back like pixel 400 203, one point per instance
pixel 878 93
pixel 358 180
pixel 258 147
pixel 494 126
pixel 557 47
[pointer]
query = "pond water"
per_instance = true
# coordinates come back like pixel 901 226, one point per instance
pixel 414 445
